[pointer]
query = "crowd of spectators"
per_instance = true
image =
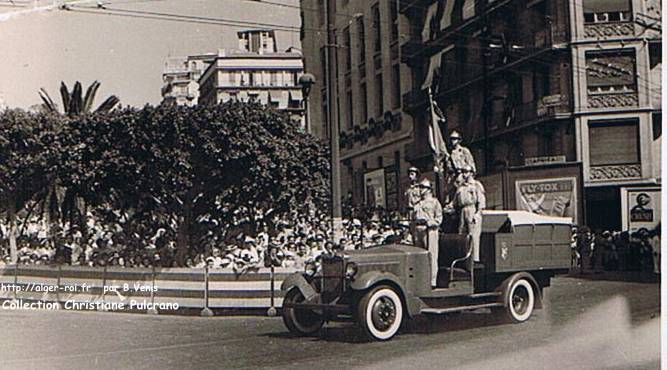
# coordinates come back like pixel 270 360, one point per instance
pixel 616 251
pixel 295 238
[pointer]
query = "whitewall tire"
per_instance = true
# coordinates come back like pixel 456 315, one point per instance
pixel 380 313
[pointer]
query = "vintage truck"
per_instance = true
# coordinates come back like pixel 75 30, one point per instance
pixel 380 287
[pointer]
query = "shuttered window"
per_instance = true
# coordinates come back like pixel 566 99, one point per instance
pixel 613 143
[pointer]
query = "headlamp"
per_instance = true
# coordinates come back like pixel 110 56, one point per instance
pixel 350 270
pixel 310 268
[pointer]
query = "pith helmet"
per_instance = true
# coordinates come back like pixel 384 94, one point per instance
pixel 413 169
pixel 455 135
pixel 425 183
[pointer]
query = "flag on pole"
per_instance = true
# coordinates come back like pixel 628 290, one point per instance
pixel 435 139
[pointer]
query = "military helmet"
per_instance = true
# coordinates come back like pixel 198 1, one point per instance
pixel 425 183
pixel 413 169
pixel 455 135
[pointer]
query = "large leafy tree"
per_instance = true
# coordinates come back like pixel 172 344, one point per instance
pixel 75 103
pixel 175 167
pixel 29 154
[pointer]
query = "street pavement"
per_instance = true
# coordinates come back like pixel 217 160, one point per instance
pixel 585 324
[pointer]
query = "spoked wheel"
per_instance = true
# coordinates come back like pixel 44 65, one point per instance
pixel 519 301
pixel 380 313
pixel 300 321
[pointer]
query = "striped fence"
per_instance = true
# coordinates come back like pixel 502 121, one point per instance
pixel 188 288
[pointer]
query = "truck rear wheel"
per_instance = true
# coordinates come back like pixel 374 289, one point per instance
pixel 380 313
pixel 300 321
pixel 519 300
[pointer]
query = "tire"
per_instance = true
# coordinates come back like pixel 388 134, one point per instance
pixel 380 313
pixel 302 322
pixel 519 300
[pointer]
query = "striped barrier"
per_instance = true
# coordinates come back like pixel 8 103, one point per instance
pixel 141 289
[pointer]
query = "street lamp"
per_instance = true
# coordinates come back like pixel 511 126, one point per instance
pixel 306 81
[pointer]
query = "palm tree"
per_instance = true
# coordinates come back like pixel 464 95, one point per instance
pixel 74 103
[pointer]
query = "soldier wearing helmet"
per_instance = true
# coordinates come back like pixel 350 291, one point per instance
pixel 460 156
pixel 428 217
pixel 469 202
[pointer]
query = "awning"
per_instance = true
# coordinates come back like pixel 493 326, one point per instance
pixel 468 9
pixel 280 97
pixel 296 95
pixel 263 97
pixel 605 6
pixel 430 13
pixel 446 19
pixel 434 63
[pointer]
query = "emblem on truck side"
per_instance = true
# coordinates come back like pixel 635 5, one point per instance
pixel 504 251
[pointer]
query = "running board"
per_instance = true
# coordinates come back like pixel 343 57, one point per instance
pixel 438 311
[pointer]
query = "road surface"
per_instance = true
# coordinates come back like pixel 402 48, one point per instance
pixel 585 324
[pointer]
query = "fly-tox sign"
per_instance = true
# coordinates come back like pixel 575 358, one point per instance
pixel 551 197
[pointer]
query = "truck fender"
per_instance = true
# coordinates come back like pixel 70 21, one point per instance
pixel 372 278
pixel 517 276
pixel 296 280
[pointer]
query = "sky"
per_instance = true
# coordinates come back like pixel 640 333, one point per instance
pixel 125 54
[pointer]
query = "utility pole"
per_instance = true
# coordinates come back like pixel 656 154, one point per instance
pixel 332 117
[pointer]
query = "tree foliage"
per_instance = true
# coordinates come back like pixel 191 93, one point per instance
pixel 75 103
pixel 170 167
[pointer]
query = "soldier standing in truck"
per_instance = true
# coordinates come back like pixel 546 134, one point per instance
pixel 469 201
pixel 428 217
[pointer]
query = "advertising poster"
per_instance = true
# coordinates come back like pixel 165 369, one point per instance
pixel 391 181
pixel 375 194
pixel 641 208
pixel 550 197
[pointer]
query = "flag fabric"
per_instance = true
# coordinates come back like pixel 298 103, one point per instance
pixel 435 139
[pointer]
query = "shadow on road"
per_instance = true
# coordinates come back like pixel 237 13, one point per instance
pixel 422 324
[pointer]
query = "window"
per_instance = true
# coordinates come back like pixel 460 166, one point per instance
pixel 393 9
pixel 395 86
pixel 350 109
pixel 323 64
pixel 232 78
pixel 610 72
pixel 377 34
pixel 602 11
pixel 613 143
pixel 363 105
pixel 321 12
pixel 379 95
pixel 347 49
pixel 656 119
pixel 361 32
pixel 274 78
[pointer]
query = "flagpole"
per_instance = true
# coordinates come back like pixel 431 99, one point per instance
pixel 438 190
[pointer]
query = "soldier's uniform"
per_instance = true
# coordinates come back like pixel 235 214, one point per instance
pixel 412 196
pixel 469 201
pixel 428 217
pixel 459 158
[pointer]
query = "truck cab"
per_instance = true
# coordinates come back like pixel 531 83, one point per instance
pixel 380 287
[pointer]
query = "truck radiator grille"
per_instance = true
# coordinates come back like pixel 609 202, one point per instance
pixel 332 278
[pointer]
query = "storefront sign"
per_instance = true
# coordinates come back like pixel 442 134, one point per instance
pixel 375 191
pixel 641 208
pixel 531 161
pixel 551 197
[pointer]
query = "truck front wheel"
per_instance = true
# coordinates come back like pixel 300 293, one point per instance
pixel 380 313
pixel 300 321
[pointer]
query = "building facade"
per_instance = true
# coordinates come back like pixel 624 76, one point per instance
pixel 375 134
pixel 181 78
pixel 255 73
pixel 528 83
